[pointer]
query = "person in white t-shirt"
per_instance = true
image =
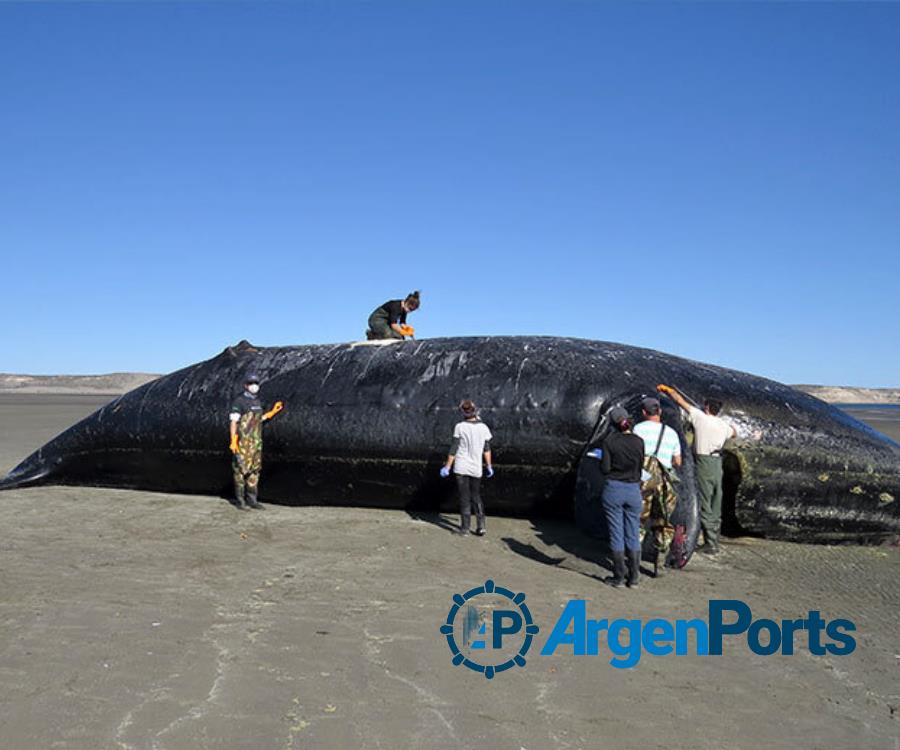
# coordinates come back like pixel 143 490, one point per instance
pixel 710 434
pixel 471 443
pixel 662 443
pixel 669 452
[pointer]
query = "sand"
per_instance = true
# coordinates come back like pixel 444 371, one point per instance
pixel 143 620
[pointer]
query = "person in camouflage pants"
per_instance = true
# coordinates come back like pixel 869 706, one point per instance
pixel 660 498
pixel 246 419
pixel 662 452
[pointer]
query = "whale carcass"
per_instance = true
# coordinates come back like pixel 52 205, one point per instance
pixel 369 424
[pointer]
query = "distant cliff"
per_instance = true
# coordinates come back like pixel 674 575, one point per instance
pixel 845 394
pixel 111 384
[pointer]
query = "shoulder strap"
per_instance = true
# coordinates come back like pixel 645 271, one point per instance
pixel 662 431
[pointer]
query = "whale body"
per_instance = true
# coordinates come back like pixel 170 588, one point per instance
pixel 369 423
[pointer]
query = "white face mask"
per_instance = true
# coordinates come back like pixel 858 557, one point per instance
pixel 253 388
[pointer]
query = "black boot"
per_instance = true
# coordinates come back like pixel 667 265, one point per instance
pixel 659 567
pixel 479 525
pixel 634 567
pixel 465 521
pixel 617 579
pixel 253 502
pixel 239 500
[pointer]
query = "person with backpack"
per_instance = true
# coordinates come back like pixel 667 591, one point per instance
pixel 471 443
pixel 662 451
pixel 621 463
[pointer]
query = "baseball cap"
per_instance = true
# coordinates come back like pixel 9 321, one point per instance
pixel 617 414
pixel 650 405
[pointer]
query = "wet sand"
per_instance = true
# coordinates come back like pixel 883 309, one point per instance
pixel 883 417
pixel 145 620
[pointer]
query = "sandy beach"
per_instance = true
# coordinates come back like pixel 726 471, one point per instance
pixel 136 620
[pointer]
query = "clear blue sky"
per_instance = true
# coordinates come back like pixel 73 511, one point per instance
pixel 716 180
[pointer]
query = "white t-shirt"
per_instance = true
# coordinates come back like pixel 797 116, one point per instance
pixel 710 433
pixel 472 437
pixel 668 448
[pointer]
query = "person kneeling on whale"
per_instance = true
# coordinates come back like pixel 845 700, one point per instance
pixel 246 418
pixel 621 463
pixel 471 442
pixel 388 321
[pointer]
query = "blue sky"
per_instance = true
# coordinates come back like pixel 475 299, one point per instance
pixel 715 180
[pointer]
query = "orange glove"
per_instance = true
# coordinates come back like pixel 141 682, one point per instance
pixel 665 389
pixel 234 443
pixel 407 330
pixel 278 406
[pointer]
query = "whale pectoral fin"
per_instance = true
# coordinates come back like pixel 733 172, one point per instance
pixel 589 483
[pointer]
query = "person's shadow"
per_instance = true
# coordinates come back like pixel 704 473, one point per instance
pixel 582 553
pixel 434 518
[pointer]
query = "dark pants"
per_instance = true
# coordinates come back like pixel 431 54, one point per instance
pixel 469 497
pixel 622 507
pixel 709 487
pixel 380 327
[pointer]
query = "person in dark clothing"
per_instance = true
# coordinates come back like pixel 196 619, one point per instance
pixel 388 321
pixel 621 463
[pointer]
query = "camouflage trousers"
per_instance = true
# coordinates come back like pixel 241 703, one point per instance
pixel 246 468
pixel 660 499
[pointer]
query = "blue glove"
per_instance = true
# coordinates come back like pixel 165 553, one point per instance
pixel 596 453
pixel 445 471
pixel 490 471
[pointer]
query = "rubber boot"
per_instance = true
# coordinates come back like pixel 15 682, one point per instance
pixel 239 500
pixel 253 502
pixel 479 525
pixel 710 544
pixel 617 579
pixel 464 523
pixel 634 567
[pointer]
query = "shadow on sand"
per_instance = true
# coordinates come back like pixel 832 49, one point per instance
pixel 557 543
pixel 562 545
pixel 436 519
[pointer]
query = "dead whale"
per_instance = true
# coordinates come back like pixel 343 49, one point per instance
pixel 369 424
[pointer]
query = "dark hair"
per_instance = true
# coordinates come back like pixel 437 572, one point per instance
pixel 412 300
pixel 468 408
pixel 623 425
pixel 714 405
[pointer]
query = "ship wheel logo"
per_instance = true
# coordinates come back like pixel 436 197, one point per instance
pixel 489 629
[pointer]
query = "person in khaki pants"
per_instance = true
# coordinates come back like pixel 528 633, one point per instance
pixel 710 434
